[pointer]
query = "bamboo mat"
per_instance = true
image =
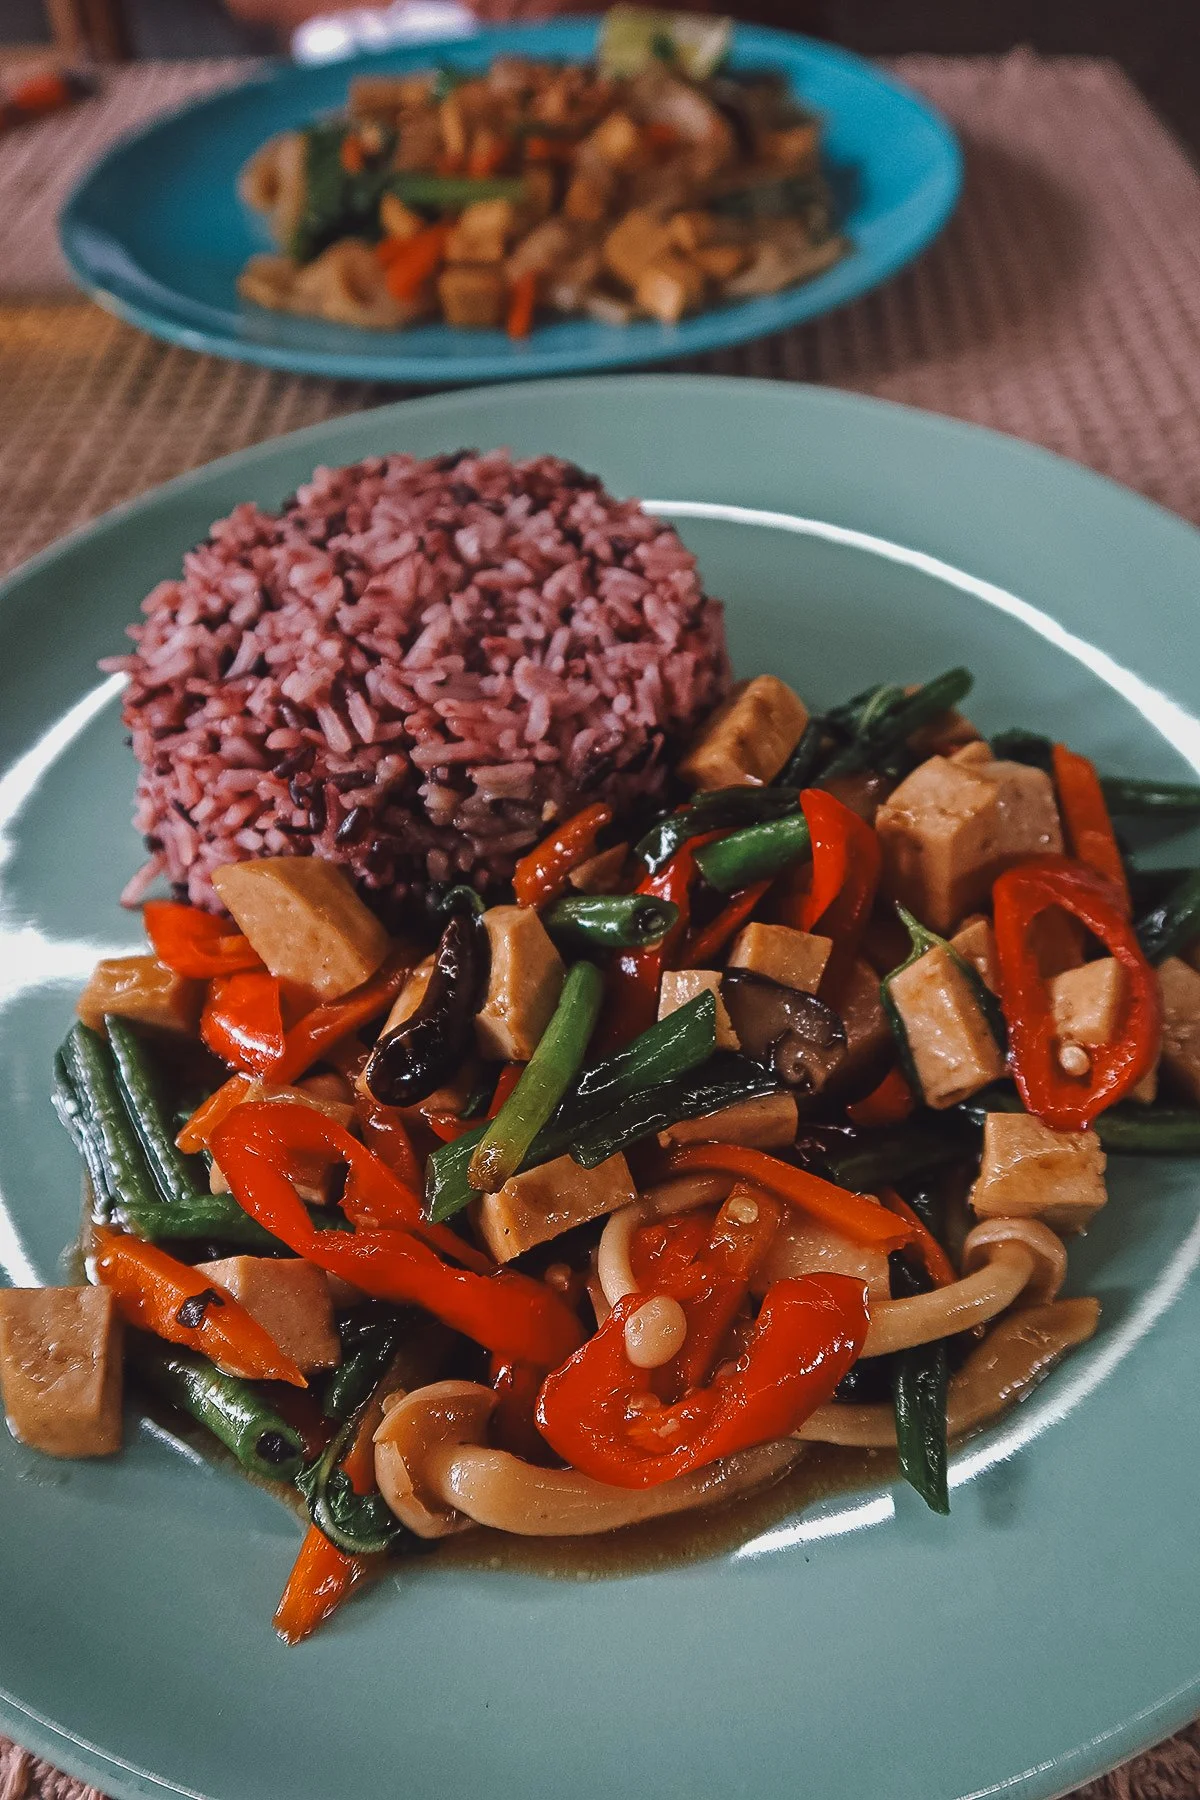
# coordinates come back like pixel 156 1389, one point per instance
pixel 1061 305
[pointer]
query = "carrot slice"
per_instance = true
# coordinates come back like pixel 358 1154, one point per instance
pixel 856 1216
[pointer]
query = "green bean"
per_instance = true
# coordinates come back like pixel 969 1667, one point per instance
pixel 544 1080
pixel 90 1068
pixel 920 1383
pixel 453 191
pixel 369 1337
pixel 1125 1129
pixel 722 1082
pixel 70 1110
pixel 722 809
pixel 756 854
pixel 1174 922
pixel 883 727
pixel 802 764
pixel 230 1408
pixel 177 1175
pixel 611 921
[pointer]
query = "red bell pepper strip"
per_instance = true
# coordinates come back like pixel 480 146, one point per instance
pixel 924 1246
pixel 635 974
pixel 1021 895
pixel 156 1293
pixel 593 1410
pixel 208 1115
pixel 508 1313
pixel 662 1252
pixel 196 943
pixel 860 1219
pixel 242 1021
pixel 847 859
pixel 323 1575
pixel 1089 829
pixel 702 946
pixel 888 1104
pixel 542 874
pixel 713 1290
pixel 409 263
pixel 506 1081
pixel 316 1034
pixel 385 1133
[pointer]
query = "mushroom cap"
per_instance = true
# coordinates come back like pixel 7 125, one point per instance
pixel 1047 1249
pixel 418 1430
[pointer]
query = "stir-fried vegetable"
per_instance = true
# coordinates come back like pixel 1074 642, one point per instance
pixel 920 1381
pixel 611 921
pixel 722 809
pixel 922 941
pixel 1088 828
pixel 756 854
pixel 1123 1130
pixel 1174 922
pixel 264 1443
pixel 542 875
pixel 355 1523
pixel 554 1065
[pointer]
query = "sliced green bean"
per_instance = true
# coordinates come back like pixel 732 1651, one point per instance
pixel 758 853
pixel 70 1110
pixel 722 809
pixel 1174 922
pixel 90 1068
pixel 721 1083
pixel 230 1408
pixel 1125 1129
pixel 610 921
pixel 544 1080
pixel 179 1177
pixel 673 1047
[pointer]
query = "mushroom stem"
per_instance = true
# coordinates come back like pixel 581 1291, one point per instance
pixel 1002 1258
pixel 1013 1357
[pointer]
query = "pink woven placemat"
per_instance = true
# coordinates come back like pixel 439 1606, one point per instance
pixel 1062 305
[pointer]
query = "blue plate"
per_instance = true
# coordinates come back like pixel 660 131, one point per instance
pixel 156 232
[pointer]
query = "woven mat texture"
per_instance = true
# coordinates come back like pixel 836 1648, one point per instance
pixel 1061 305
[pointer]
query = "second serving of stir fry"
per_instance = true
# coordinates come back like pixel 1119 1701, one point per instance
pixel 760 1123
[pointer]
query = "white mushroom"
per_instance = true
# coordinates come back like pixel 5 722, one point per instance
pixel 1002 1259
pixel 438 1476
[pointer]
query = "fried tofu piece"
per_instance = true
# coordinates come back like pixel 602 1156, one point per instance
pixel 678 986
pixel 482 232
pixel 60 1369
pixel 305 920
pixel 544 1202
pixel 524 984
pixel 410 996
pixel 142 989
pixel 956 823
pixel 289 1298
pixel 634 242
pixel 952 1047
pixel 616 141
pixel 1180 987
pixel 1087 1002
pixel 975 942
pixel 1030 1172
pixel 472 295
pixel 749 738
pixel 600 874
pixel 795 958
pixel 768 1122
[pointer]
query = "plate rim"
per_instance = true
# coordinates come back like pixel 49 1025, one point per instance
pixel 713 329
pixel 90 1762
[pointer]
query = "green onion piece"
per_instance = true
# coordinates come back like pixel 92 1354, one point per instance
pixel 721 809
pixel 722 1082
pixel 881 731
pixel 454 191
pixel 230 1408
pixel 611 921
pixel 757 854
pixel 544 1080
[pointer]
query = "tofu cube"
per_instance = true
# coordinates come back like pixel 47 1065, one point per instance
pixel 617 141
pixel 975 942
pixel 544 1202
pixel 144 990
pixel 60 1369
pixel 481 233
pixel 795 958
pixel 524 984
pixel 868 1033
pixel 410 996
pixel 289 1298
pixel 954 824
pixel 678 986
pixel 602 873
pixel 749 738
pixel 1087 1002
pixel 952 1047
pixel 1031 1172
pixel 768 1122
pixel 1180 987
pixel 472 295
pixel 305 920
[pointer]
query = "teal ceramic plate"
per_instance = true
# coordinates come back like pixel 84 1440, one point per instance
pixel 858 1647
pixel 155 231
